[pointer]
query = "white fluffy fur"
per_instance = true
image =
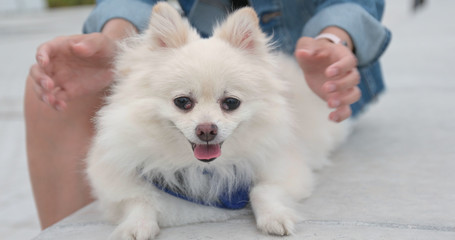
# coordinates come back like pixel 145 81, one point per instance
pixel 277 135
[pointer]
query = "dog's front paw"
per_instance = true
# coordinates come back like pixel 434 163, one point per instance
pixel 136 230
pixel 279 223
pixel 272 209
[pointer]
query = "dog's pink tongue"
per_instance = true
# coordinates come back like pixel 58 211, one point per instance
pixel 207 151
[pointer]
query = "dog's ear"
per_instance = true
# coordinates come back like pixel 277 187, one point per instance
pixel 167 29
pixel 242 30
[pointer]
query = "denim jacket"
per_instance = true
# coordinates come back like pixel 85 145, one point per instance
pixel 285 20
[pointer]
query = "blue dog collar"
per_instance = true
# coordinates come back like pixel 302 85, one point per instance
pixel 234 200
pixel 237 200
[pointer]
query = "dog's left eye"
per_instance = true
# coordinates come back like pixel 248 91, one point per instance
pixel 230 104
pixel 184 103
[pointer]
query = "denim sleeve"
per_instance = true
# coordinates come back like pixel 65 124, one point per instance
pixel 360 19
pixel 135 11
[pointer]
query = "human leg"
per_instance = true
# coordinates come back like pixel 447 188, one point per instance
pixel 57 143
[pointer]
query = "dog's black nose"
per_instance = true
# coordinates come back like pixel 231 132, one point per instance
pixel 206 131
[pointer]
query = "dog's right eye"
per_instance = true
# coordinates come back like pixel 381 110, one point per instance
pixel 183 103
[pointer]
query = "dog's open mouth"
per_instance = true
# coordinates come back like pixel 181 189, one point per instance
pixel 206 152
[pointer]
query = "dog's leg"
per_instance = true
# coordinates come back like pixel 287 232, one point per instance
pixel 282 182
pixel 139 221
pixel 273 210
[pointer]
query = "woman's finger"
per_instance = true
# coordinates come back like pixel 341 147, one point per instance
pixel 347 97
pixel 89 45
pixel 350 80
pixel 340 114
pixel 342 66
pixel 40 78
pixel 45 97
pixel 42 54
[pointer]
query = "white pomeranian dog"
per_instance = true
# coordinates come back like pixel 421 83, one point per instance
pixel 201 129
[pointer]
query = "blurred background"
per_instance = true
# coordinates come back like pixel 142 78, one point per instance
pixel 419 59
pixel 27 5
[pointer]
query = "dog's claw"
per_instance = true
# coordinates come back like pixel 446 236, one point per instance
pixel 135 231
pixel 276 225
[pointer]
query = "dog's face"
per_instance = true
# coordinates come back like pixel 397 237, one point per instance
pixel 207 88
pixel 207 103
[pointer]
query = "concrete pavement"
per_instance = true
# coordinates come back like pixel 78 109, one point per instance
pixel 393 179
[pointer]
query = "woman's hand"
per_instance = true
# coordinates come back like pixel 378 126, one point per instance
pixel 331 72
pixel 74 66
